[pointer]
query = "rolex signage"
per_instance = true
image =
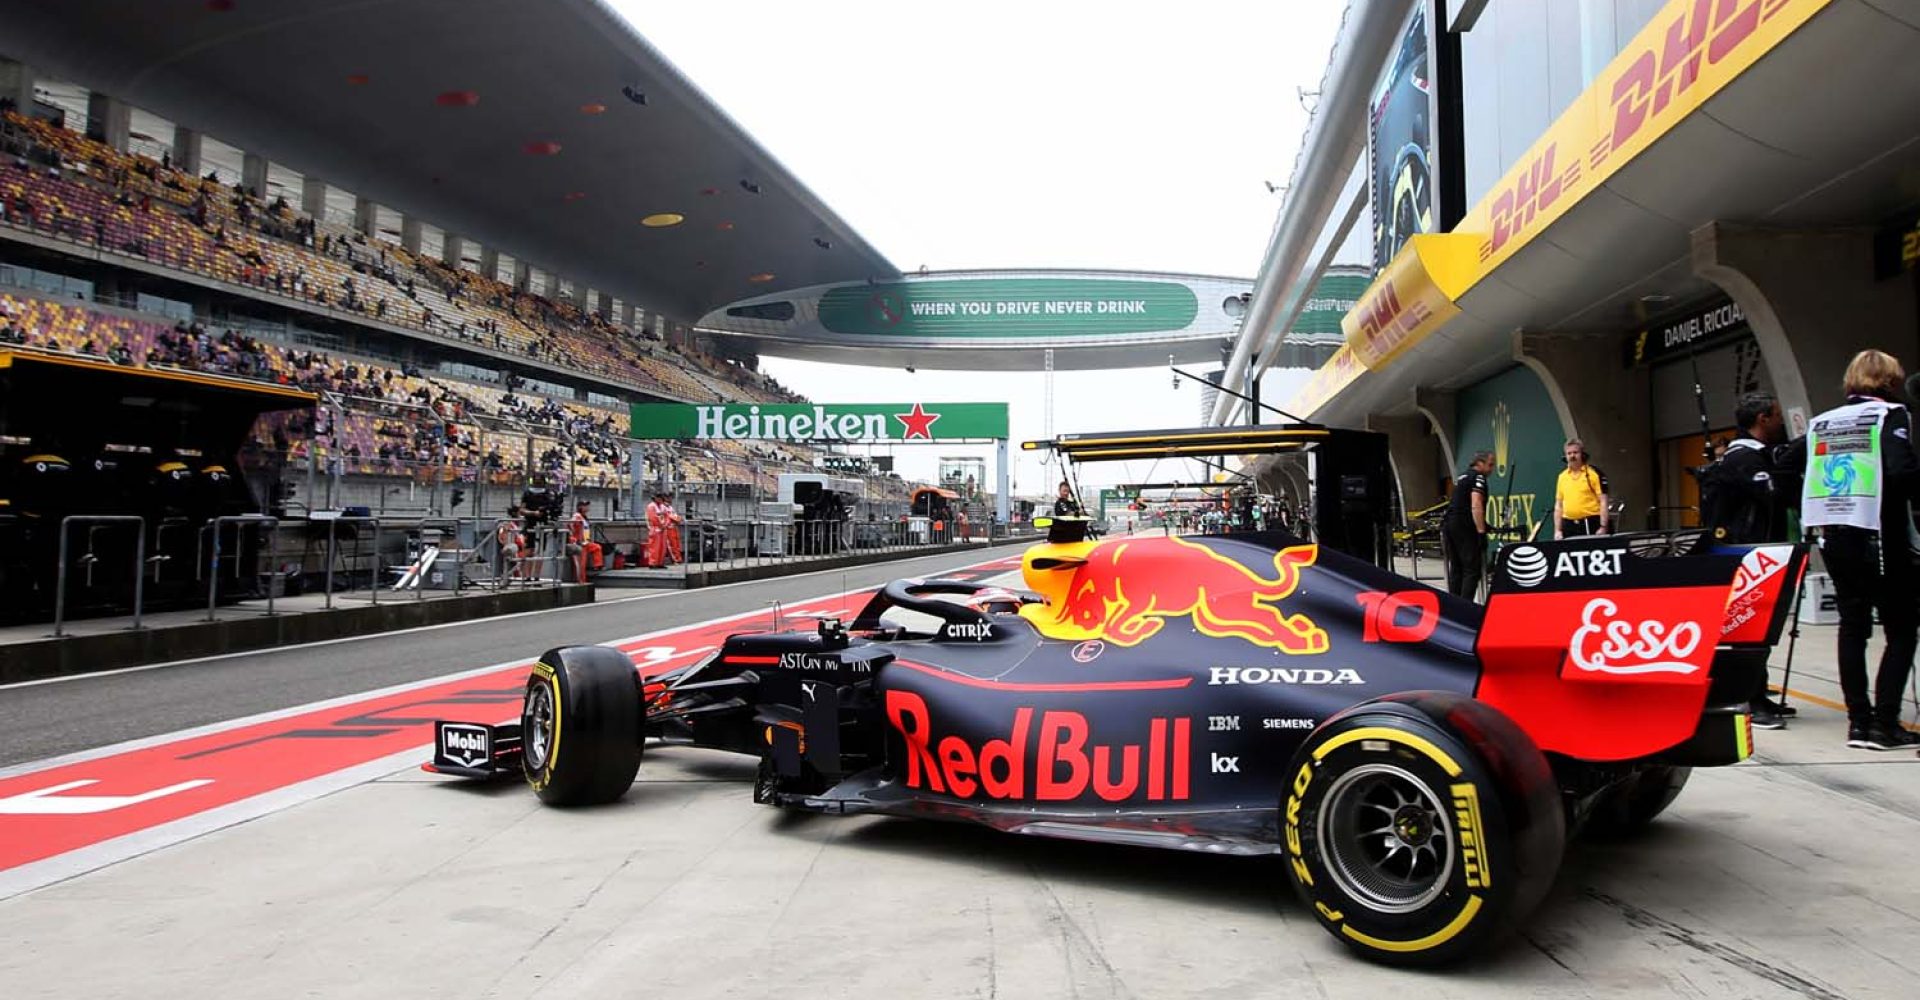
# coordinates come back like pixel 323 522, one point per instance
pixel 1512 416
pixel 858 423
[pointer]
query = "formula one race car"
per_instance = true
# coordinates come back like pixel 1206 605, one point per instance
pixel 1418 761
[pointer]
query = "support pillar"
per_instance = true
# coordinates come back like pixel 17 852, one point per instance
pixel 313 196
pixel 1438 406
pixel 636 476
pixel 490 263
pixel 1813 303
pixel 1002 488
pixel 253 174
pixel 522 276
pixel 605 307
pixel 186 150
pixel 582 295
pixel 626 316
pixel 16 85
pixel 410 234
pixel 453 247
pixel 108 120
pixel 1410 446
pixel 365 219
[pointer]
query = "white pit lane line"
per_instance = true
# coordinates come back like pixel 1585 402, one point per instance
pixel 48 871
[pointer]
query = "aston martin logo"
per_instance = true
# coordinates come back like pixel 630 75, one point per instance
pixel 1502 433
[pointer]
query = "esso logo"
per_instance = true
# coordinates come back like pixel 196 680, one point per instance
pixel 1527 566
pixel 1604 644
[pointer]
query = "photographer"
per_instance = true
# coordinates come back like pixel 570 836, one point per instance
pixel 1861 476
pixel 1744 497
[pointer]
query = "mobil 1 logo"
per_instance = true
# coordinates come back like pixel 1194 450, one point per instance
pixel 465 744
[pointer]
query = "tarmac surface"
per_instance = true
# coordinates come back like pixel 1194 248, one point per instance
pixel 1790 875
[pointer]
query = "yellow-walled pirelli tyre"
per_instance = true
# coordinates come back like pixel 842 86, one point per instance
pixel 580 725
pixel 1420 828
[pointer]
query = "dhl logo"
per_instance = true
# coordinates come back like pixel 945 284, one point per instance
pixel 1532 194
pixel 1711 30
pixel 1123 591
pixel 1384 320
pixel 1643 99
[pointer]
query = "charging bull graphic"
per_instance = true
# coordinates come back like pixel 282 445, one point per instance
pixel 1123 591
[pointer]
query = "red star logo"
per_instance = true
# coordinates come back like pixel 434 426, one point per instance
pixel 919 423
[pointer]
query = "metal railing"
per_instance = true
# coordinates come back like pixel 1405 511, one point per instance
pixel 213 562
pixel 254 552
pixel 139 557
pixel 728 543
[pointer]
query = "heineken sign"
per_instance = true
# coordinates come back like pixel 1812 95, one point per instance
pixel 984 309
pixel 859 423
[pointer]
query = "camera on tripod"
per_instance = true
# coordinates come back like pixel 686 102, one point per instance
pixel 540 505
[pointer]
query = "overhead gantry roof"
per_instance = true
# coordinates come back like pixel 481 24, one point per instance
pixel 509 122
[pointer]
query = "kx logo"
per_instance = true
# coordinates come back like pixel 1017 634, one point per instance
pixel 1223 764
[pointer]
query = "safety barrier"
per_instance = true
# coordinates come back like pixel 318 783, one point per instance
pixel 254 552
pixel 731 543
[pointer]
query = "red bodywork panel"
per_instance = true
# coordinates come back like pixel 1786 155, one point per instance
pixel 1601 676
pixel 1603 654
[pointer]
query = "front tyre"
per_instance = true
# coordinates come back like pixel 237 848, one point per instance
pixel 580 725
pixel 1420 828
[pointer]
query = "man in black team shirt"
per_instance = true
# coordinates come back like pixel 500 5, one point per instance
pixel 1463 528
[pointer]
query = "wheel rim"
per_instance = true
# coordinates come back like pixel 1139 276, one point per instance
pixel 1387 839
pixel 1409 192
pixel 536 725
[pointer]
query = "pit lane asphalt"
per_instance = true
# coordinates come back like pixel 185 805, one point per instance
pixel 47 720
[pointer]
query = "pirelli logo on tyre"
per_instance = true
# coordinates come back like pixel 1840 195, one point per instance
pixel 1466 819
pixel 1301 782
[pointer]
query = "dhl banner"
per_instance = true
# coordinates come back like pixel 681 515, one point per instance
pixel 1326 383
pixel 1413 297
pixel 1685 55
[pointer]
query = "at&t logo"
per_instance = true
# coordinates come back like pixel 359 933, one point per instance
pixel 1527 566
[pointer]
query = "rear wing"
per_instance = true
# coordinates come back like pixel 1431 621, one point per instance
pixel 1605 648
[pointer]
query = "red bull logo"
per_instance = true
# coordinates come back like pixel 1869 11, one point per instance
pixel 1123 591
pixel 1049 756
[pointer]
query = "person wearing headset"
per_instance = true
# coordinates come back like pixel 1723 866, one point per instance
pixel 1579 496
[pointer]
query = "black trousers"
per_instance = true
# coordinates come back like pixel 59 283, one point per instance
pixel 1577 527
pixel 1864 583
pixel 1465 551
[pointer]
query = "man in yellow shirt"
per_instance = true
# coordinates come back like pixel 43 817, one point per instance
pixel 1579 496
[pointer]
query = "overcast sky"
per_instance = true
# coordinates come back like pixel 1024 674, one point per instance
pixel 1033 134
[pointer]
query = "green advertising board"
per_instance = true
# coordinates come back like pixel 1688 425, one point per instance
pixel 1013 307
pixel 859 423
pixel 1511 415
pixel 1334 295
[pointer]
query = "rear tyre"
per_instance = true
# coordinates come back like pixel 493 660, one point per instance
pixel 580 726
pixel 1420 828
pixel 1627 808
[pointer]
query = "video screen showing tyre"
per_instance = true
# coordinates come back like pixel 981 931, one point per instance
pixel 1400 145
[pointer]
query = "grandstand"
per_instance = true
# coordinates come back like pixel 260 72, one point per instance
pixel 76 195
